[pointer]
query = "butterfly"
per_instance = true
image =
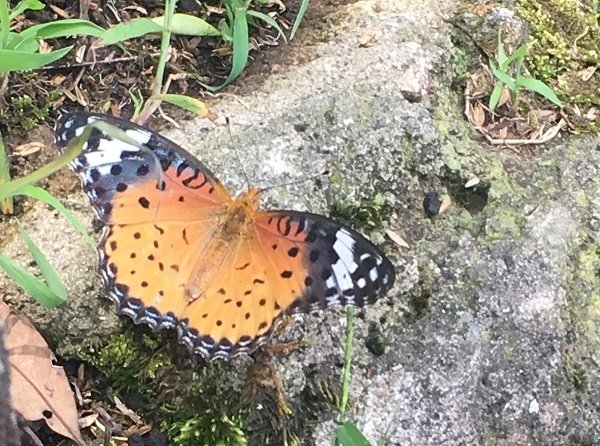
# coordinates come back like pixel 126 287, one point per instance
pixel 180 252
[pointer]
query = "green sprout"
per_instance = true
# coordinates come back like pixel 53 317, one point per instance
pixel 502 69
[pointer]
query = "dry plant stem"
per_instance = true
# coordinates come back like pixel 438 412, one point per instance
pixel 6 205
pixel 165 45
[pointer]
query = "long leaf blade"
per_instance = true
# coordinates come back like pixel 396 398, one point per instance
pixel 125 31
pixel 268 20
pixel 48 272
pixel 188 25
pixel 299 17
pixel 11 60
pixel 186 102
pixel 43 195
pixel 241 47
pixel 32 286
pixel 539 87
pixel 348 435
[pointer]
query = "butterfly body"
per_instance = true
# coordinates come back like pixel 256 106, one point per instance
pixel 180 252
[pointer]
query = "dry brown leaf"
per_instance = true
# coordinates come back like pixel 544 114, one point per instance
pixel 87 421
pixel 476 114
pixel 28 149
pixel 592 114
pixel 44 47
pixel 39 389
pixel 397 239
pixel 504 97
pixel 121 407
pixel 474 181
pixel 59 12
pixel 367 39
pixel 445 204
pixel 587 73
pixel 80 53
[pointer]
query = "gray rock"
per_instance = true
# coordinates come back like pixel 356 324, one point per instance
pixel 490 335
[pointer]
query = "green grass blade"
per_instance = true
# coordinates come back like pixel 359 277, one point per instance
pixel 11 60
pixel 64 28
pixel 23 6
pixel 241 47
pixel 268 20
pixel 504 78
pixel 41 194
pixel 186 102
pixel 48 272
pixel 299 17
pixel 539 87
pixel 32 286
pixel 15 187
pixel 6 204
pixel 347 373
pixel 125 31
pixel 4 23
pixel 496 94
pixel 188 25
pixel 348 435
pixel 518 54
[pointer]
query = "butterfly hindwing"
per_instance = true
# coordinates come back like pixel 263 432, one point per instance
pixel 339 266
pixel 295 262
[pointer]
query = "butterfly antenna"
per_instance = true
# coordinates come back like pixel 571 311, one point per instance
pixel 237 155
pixel 292 183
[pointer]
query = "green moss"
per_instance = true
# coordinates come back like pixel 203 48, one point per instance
pixel 364 217
pixel 565 40
pixel 23 114
pixel 192 406
pixel 207 429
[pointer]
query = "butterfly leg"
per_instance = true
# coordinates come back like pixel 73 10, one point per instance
pixel 264 376
pixel 283 348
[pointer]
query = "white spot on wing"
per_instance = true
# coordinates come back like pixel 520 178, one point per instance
pixel 344 247
pixel 361 282
pixel 373 275
pixel 139 135
pixel 341 274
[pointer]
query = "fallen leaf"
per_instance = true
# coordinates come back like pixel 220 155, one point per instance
pixel 39 389
pixel 28 149
pixel 446 202
pixel 43 47
pixel 587 73
pixel 591 114
pixel 504 97
pixel 87 421
pixel 397 239
pixel 367 39
pixel 476 114
pixel 472 182
pixel 121 407
pixel 59 12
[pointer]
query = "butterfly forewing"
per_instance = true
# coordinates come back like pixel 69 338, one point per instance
pixel 128 184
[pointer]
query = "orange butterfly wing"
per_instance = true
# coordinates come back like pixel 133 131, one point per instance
pixel 291 262
pixel 179 252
